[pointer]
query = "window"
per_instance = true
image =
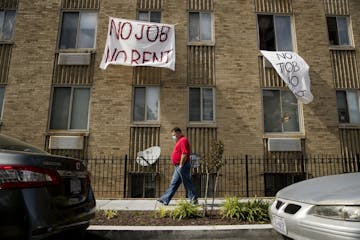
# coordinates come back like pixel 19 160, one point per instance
pixel 2 93
pixel 275 33
pixel 276 181
pixel 70 108
pixel 199 180
pixel 348 103
pixel 78 30
pixel 280 111
pixel 146 104
pixel 201 104
pixel 7 24
pixel 149 16
pixel 338 29
pixel 200 26
pixel 143 185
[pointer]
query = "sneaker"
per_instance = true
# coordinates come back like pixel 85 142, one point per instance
pixel 162 202
pixel 195 201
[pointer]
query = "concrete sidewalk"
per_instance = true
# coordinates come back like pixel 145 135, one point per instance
pixel 245 232
pixel 144 204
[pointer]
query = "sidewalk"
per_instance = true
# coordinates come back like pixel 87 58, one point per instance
pixel 245 232
pixel 144 205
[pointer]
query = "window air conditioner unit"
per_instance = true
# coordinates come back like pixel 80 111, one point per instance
pixel 66 142
pixel 74 59
pixel 284 145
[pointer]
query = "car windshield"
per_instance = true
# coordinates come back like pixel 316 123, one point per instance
pixel 9 143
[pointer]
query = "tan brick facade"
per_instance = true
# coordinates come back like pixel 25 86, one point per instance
pixel 236 76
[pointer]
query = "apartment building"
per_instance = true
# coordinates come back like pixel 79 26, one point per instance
pixel 54 94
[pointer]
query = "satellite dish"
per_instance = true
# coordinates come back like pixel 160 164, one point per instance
pixel 148 156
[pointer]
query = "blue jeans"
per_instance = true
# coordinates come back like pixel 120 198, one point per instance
pixel 176 180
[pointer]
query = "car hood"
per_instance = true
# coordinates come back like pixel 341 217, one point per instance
pixel 339 189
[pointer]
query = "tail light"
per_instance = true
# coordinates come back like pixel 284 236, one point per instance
pixel 26 177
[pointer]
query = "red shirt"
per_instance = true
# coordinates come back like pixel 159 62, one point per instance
pixel 182 146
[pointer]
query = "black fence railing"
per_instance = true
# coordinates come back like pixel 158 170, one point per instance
pixel 242 176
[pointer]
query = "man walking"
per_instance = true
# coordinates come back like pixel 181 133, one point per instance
pixel 181 159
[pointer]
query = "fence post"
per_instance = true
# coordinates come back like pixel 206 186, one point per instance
pixel 303 166
pixel 125 175
pixel 247 174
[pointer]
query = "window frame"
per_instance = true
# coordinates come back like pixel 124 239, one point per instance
pixel 149 14
pixel 293 35
pixel 348 123
pixel 349 29
pixel 68 128
pixel 145 107
pixel 201 42
pixel 3 24
pixel 79 12
pixel 299 113
pixel 201 105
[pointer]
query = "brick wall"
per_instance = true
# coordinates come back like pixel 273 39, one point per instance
pixel 237 80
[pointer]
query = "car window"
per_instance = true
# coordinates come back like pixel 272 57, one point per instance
pixel 8 143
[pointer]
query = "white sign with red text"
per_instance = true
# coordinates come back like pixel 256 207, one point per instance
pixel 137 43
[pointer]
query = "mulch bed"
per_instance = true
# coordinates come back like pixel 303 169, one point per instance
pixel 150 218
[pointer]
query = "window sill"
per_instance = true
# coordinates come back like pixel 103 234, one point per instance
pixel 349 126
pixel 68 133
pixel 3 42
pixel 202 124
pixel 260 55
pixel 284 135
pixel 339 47
pixel 201 44
pixel 76 50
pixel 145 124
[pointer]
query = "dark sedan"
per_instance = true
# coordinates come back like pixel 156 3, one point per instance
pixel 42 194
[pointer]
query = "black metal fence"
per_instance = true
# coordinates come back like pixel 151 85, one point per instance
pixel 242 176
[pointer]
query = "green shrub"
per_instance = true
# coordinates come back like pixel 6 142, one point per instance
pixel 110 213
pixel 184 210
pixel 162 212
pixel 258 211
pixel 251 211
pixel 231 208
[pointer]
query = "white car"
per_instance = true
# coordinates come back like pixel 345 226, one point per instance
pixel 324 208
